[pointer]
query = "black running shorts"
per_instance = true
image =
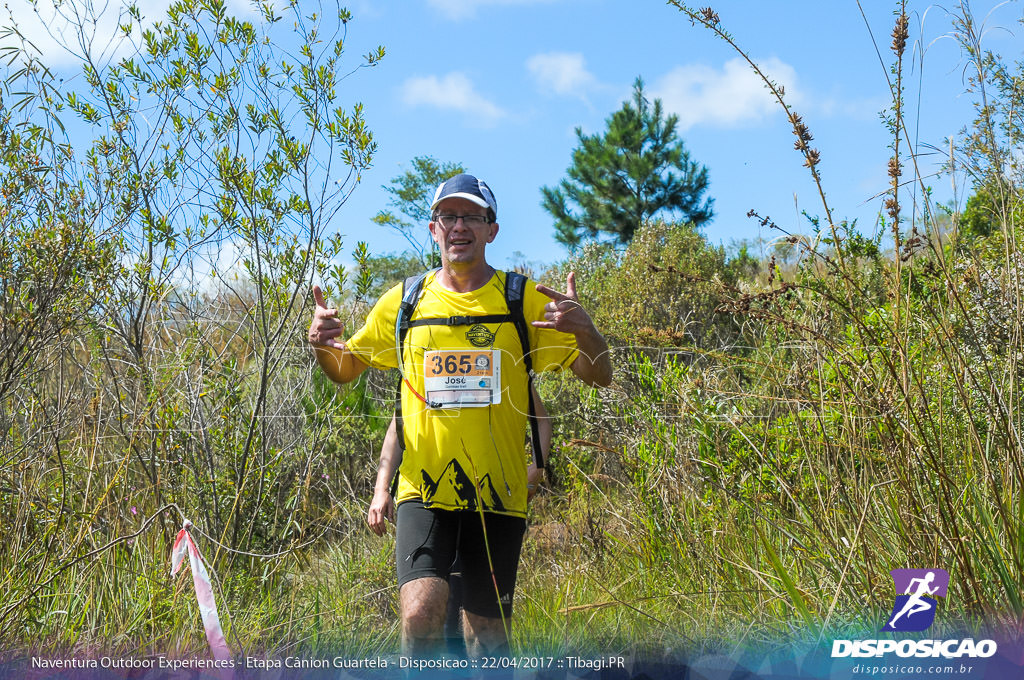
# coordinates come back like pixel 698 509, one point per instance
pixel 427 539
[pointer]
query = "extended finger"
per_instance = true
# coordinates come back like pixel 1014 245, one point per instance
pixel 570 285
pixel 551 293
pixel 318 297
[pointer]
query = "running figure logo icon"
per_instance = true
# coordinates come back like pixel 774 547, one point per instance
pixel 915 608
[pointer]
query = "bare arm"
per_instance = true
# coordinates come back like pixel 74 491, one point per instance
pixel 593 365
pixel 382 507
pixel 335 360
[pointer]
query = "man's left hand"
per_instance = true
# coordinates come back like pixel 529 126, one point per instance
pixel 564 312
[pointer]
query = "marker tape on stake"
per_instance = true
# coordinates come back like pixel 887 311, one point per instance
pixel 204 590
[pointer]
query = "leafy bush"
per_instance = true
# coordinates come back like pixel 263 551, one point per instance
pixel 662 289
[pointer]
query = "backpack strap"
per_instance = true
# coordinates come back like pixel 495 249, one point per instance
pixel 515 286
pixel 461 320
pixel 412 288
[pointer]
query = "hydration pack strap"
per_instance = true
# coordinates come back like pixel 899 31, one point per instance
pixel 515 283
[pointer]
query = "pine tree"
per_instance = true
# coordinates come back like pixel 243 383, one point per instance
pixel 637 169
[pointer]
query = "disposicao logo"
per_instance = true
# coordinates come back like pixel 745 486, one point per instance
pixel 914 611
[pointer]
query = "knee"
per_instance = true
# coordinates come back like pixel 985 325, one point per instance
pixel 423 608
pixel 422 621
pixel 485 635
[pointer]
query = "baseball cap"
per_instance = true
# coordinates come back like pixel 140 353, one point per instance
pixel 467 187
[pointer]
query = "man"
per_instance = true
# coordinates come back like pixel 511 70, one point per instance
pixel 462 482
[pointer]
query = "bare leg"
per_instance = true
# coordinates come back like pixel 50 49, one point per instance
pixel 485 635
pixel 424 604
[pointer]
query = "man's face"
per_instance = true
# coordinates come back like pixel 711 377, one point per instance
pixel 462 243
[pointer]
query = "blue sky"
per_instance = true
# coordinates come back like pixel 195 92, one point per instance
pixel 501 85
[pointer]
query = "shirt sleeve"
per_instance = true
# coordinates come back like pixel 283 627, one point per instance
pixel 374 343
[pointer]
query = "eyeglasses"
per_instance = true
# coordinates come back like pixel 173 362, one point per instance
pixel 449 221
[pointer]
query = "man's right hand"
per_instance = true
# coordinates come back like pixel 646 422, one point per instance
pixel 337 362
pixel 382 510
pixel 326 327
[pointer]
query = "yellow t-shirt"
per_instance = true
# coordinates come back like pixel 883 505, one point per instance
pixel 455 456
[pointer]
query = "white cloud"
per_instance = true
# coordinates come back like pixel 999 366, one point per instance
pixel 453 92
pixel 464 9
pixel 563 73
pixel 55 34
pixel 730 97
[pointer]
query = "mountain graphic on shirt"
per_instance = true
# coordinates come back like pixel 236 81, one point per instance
pixel 489 495
pixel 455 478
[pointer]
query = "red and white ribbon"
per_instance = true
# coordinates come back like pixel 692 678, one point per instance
pixel 204 590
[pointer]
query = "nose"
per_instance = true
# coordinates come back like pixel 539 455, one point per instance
pixel 459 226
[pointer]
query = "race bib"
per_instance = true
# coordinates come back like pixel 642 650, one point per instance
pixel 457 378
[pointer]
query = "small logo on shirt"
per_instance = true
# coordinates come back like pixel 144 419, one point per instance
pixel 479 336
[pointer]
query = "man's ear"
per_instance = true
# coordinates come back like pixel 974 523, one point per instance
pixel 432 226
pixel 493 233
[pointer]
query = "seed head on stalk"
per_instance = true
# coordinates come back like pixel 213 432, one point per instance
pixel 900 33
pixel 709 18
